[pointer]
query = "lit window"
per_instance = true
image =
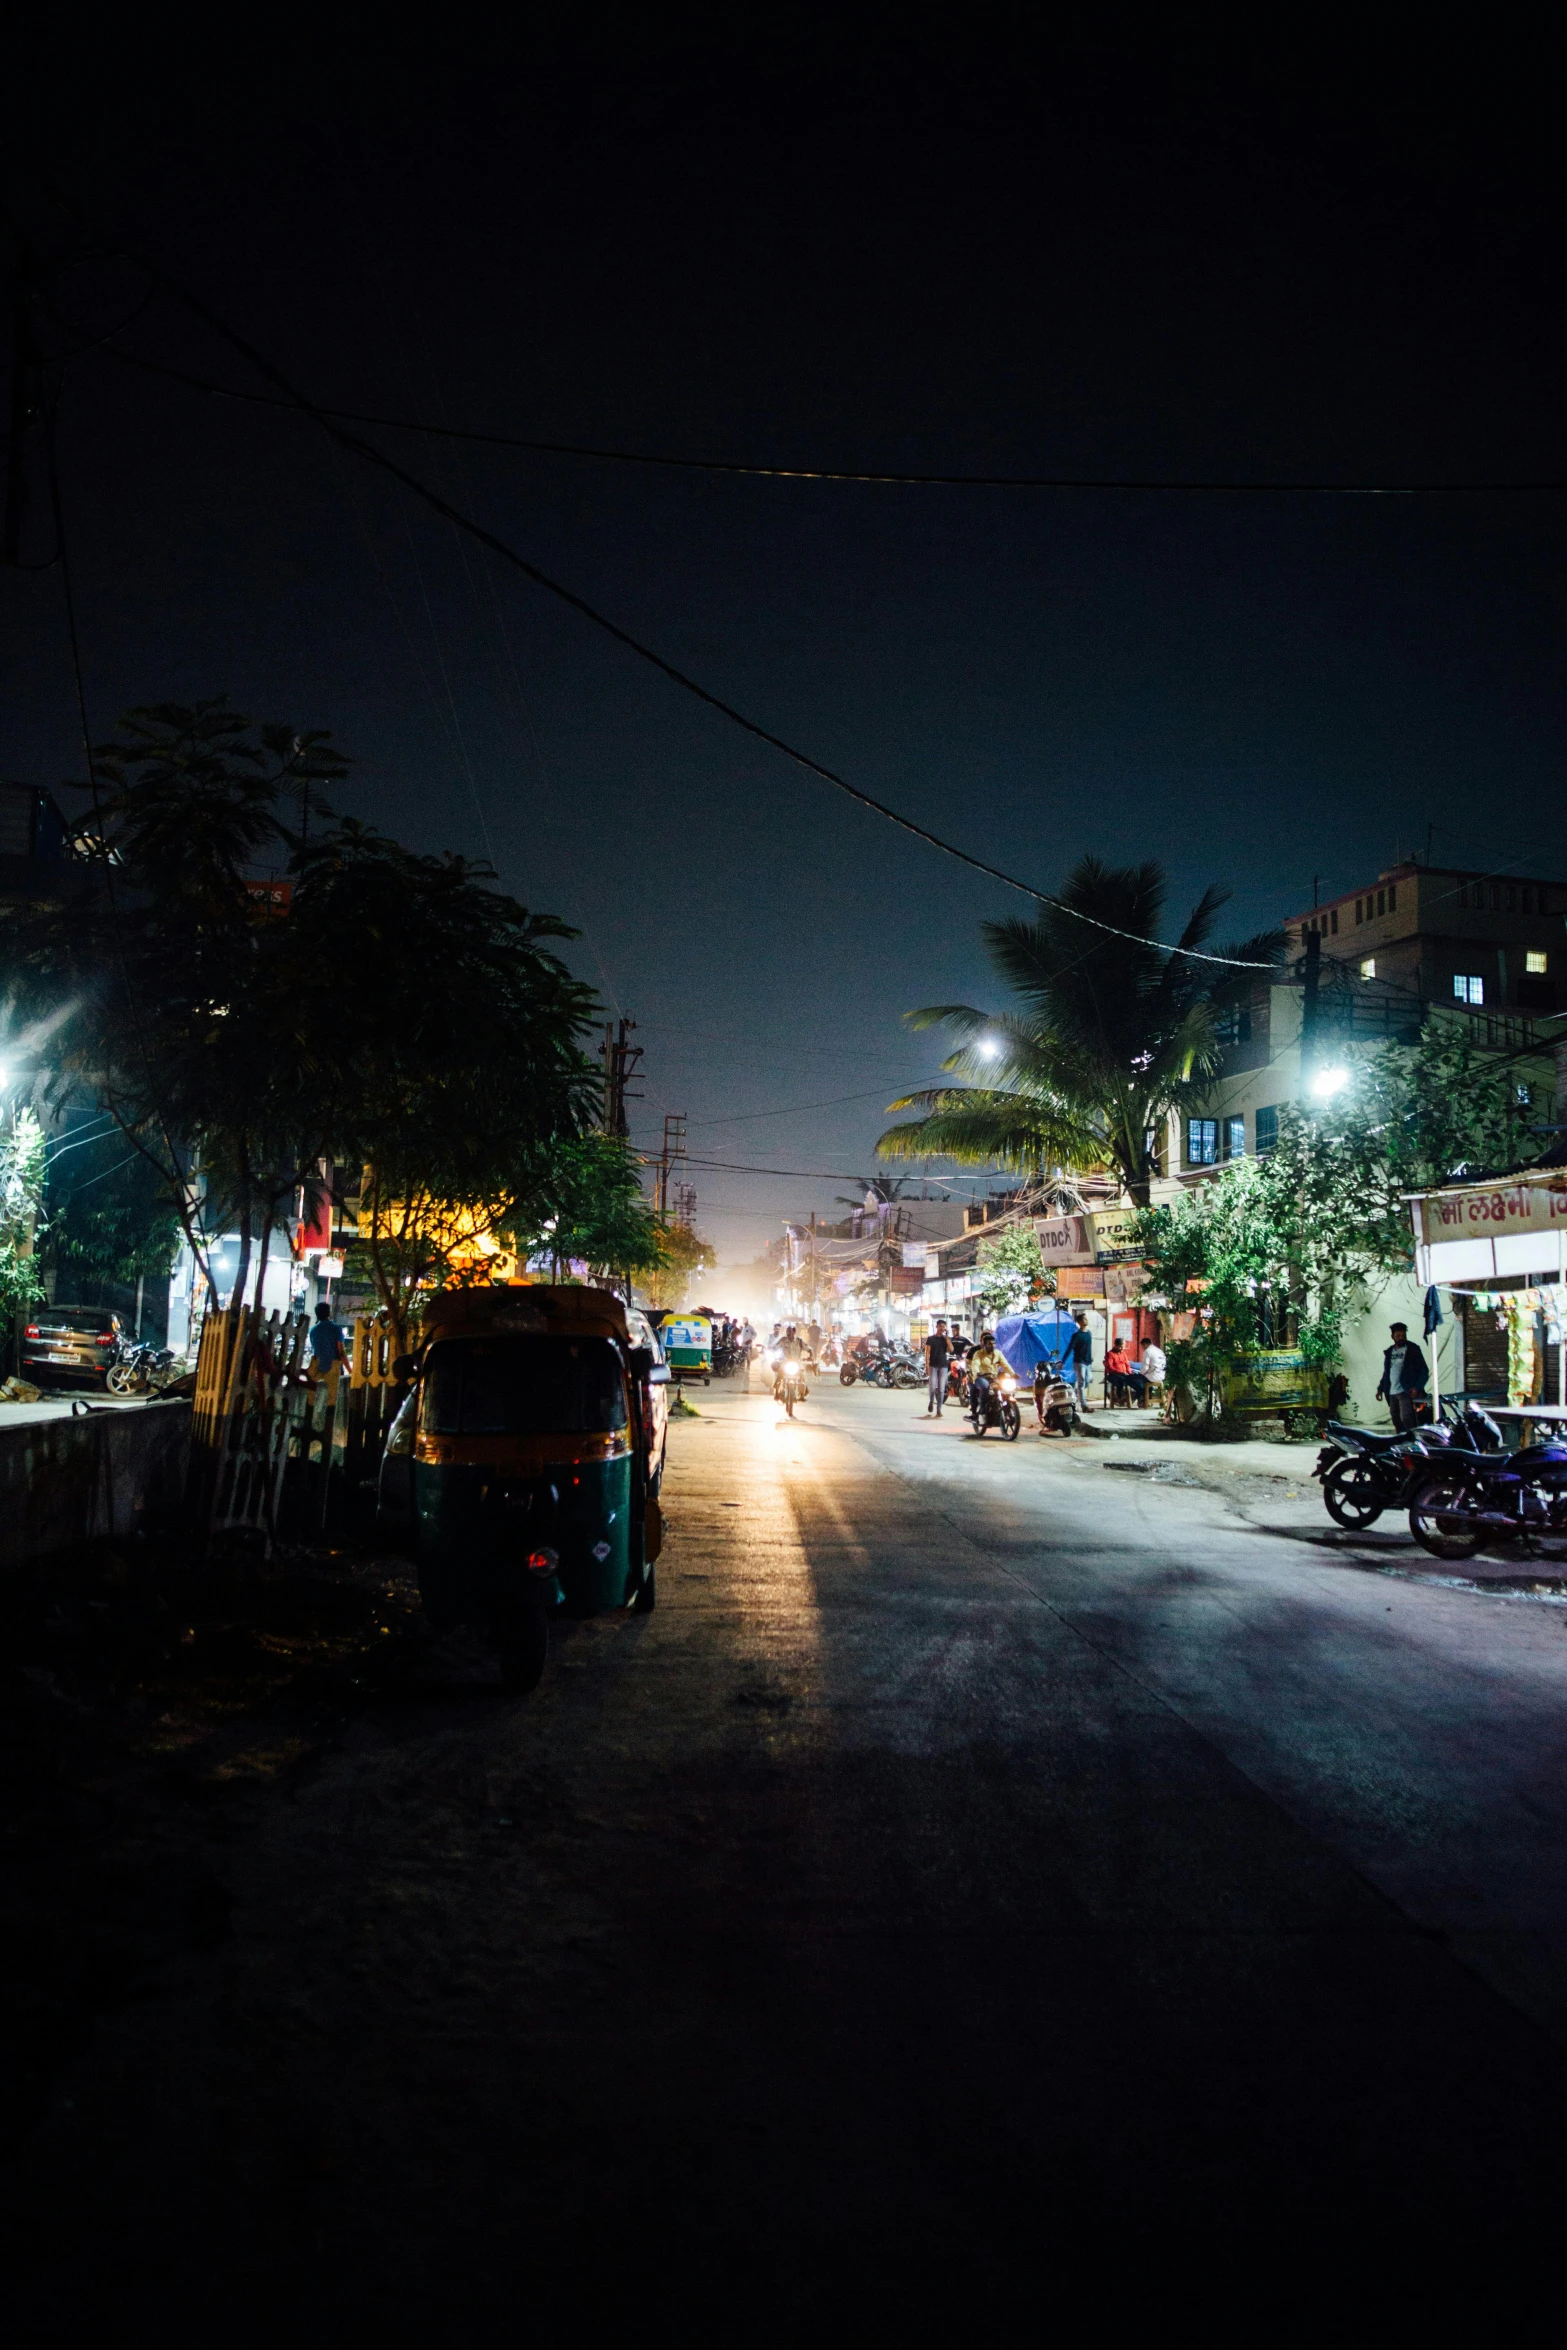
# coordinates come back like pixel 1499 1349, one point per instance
pixel 1525 1094
pixel 1368 966
pixel 1202 1142
pixel 1535 960
pixel 1235 1138
pixel 1469 987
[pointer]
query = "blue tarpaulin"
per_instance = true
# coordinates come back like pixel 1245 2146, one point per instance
pixel 1026 1340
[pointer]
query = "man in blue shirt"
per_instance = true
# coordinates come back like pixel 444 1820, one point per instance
pixel 326 1343
pixel 1080 1357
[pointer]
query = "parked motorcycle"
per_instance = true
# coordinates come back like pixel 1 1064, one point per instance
pixel 138 1369
pixel 1364 1472
pixel 1466 1499
pixel 994 1405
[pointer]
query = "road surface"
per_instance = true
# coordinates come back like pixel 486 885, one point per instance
pixel 993 1873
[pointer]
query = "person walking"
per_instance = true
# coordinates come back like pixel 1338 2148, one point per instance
pixel 1080 1355
pixel 1406 1378
pixel 328 1350
pixel 938 1360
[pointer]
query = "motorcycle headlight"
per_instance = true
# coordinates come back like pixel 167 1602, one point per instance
pixel 1008 1386
pixel 791 1370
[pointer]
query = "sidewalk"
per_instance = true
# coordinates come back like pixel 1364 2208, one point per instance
pixel 64 1407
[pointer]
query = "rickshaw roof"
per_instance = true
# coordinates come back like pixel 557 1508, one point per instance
pixel 537 1309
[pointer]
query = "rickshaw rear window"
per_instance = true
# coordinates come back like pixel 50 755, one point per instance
pixel 522 1387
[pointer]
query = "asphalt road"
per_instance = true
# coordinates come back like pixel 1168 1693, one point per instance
pixel 989 1878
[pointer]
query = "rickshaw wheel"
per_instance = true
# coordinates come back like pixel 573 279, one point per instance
pixel 523 1639
pixel 645 1597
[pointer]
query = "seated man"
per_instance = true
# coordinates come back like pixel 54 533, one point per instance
pixel 1116 1369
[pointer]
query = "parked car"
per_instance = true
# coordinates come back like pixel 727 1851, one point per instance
pixel 654 1392
pixel 70 1342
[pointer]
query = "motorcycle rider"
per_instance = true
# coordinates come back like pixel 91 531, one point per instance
pixel 985 1368
pixel 791 1349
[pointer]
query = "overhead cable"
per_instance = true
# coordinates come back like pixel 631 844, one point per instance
pixel 677 676
pixel 1161 484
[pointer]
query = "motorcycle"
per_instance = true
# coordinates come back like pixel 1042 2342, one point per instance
pixel 994 1405
pixel 139 1367
pixel 1364 1473
pixel 864 1370
pixel 1466 1499
pixel 789 1386
pixel 903 1370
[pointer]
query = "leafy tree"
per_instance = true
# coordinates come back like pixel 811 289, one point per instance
pixel 1012 1273
pixel 109 1217
pixel 1113 1033
pixel 21 1208
pixel 1282 1248
pixel 687 1255
pixel 401 1013
pixel 589 1208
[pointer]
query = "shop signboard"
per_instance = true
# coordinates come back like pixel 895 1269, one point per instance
pixel 1125 1283
pixel 1113 1235
pixel 1080 1281
pixel 1492 1210
pixel 1273 1382
pixel 1064 1240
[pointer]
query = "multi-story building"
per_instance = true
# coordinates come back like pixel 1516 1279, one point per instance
pixel 1486 952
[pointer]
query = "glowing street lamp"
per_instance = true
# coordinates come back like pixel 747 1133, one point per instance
pixel 1328 1082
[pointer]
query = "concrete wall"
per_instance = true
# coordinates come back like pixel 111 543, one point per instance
pixel 66 1481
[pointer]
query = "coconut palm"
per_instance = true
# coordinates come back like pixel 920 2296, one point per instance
pixel 1112 1032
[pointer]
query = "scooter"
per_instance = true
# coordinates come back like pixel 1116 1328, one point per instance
pixel 1055 1400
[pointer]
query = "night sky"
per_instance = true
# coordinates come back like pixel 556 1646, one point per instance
pixel 911 255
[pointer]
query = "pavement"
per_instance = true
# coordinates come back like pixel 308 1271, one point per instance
pixel 997 1885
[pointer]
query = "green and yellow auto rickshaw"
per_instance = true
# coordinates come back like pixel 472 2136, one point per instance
pixel 521 1470
pixel 687 1341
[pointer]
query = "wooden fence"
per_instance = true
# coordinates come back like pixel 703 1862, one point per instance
pixel 277 1447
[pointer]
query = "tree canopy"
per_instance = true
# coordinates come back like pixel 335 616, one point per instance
pixel 1111 1032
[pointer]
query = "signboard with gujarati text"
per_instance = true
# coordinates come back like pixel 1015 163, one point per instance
pixel 1489 1212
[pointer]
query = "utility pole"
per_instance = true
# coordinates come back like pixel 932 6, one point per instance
pixel 673 1152
pixel 1308 1011
pixel 620 1058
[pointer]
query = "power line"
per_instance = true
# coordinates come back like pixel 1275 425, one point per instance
pixel 1162 485
pixel 440 505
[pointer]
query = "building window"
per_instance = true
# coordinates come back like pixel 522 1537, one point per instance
pixel 1333 921
pixel 1462 893
pixel 1233 1024
pixel 1381 901
pixel 1511 897
pixel 1202 1142
pixel 1524 1094
pixel 1526 898
pixel 1496 897
pixel 1469 987
pixel 1267 1131
pixel 1235 1138
pixel 1392 898
pixel 1368 966
pixel 1360 910
pixel 1536 960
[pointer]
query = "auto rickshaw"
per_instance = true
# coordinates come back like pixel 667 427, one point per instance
pixel 687 1341
pixel 518 1469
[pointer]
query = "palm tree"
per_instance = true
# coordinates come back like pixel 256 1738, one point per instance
pixel 1113 1031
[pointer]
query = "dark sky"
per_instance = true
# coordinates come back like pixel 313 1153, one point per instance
pixel 915 254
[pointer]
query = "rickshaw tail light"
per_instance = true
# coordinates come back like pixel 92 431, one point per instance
pixel 543 1562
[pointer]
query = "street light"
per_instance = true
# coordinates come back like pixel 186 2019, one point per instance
pixel 989 1049
pixel 1328 1082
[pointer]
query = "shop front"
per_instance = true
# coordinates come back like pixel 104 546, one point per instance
pixel 1493 1258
